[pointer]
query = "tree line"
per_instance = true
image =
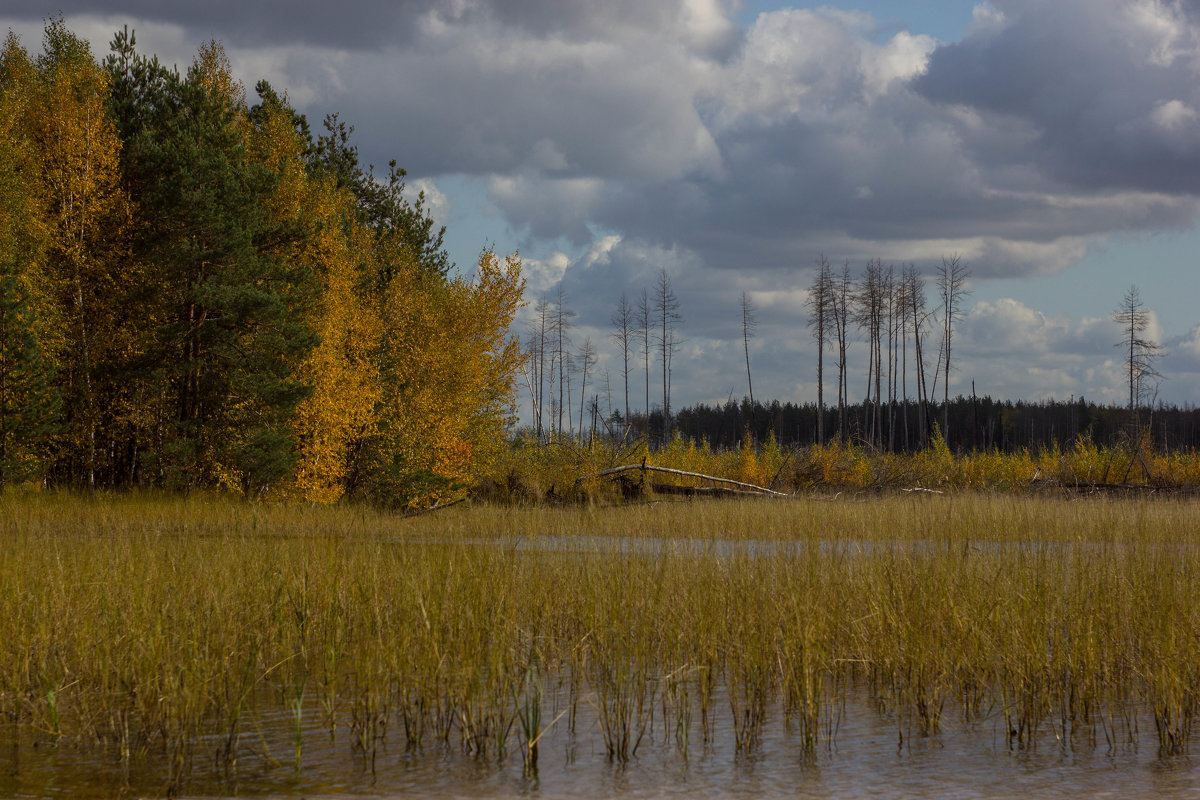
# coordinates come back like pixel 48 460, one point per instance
pixel 197 291
pixel 644 328
pixel 909 348
pixel 976 423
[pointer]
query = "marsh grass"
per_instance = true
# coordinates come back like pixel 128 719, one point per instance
pixel 532 473
pixel 169 629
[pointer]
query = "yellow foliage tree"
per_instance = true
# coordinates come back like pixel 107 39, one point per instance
pixel 63 101
pixel 328 236
pixel 449 367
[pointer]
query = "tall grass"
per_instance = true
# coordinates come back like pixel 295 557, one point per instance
pixel 168 628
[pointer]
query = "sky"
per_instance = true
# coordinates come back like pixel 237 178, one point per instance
pixel 1054 147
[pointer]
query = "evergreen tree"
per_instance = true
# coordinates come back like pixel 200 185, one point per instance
pixel 382 203
pixel 233 328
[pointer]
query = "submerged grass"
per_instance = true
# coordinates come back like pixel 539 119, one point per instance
pixel 165 628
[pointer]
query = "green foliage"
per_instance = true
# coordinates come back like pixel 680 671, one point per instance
pixel 232 314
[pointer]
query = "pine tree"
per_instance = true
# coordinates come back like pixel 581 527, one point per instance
pixel 235 326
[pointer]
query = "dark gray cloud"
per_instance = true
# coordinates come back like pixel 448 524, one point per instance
pixel 1108 87
pixel 361 25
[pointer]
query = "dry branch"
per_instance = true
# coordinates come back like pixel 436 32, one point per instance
pixel 752 488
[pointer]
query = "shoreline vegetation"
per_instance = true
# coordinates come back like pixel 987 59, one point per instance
pixel 161 629
pixel 572 471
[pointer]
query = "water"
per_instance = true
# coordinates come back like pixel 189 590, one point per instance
pixel 866 759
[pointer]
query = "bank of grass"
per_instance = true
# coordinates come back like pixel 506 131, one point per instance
pixel 566 471
pixel 167 628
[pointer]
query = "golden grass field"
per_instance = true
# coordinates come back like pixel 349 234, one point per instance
pixel 148 625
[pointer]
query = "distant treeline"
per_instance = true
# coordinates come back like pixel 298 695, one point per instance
pixel 975 424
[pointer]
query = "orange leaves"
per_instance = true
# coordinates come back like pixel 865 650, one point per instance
pixel 449 371
pixel 342 369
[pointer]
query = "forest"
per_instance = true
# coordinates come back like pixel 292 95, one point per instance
pixel 197 291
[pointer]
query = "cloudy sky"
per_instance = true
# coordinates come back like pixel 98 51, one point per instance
pixel 1054 145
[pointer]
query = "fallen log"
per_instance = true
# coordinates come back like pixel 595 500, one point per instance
pixel 750 488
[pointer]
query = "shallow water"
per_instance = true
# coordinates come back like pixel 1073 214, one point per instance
pixel 866 759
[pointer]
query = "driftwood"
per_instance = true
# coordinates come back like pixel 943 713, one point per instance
pixel 743 488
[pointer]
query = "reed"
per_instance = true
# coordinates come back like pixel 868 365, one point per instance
pixel 170 628
pixel 565 471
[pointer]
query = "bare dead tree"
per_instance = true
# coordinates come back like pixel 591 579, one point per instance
pixel 585 361
pixel 868 312
pixel 915 292
pixel 562 325
pixel 891 325
pixel 842 291
pixel 643 330
pixel 952 289
pixel 622 336
pixel 749 325
pixel 608 396
pixel 666 317
pixel 1141 352
pixel 529 367
pixel 541 328
pixel 822 302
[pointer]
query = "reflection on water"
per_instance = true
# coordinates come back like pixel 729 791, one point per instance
pixel 866 760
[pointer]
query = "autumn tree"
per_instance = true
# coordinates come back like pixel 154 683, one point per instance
pixel 81 292
pixel 29 401
pixel 218 299
pixel 383 204
pixel 448 367
pixel 234 327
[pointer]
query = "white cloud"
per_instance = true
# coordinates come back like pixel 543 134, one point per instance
pixel 1190 344
pixel 1173 115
